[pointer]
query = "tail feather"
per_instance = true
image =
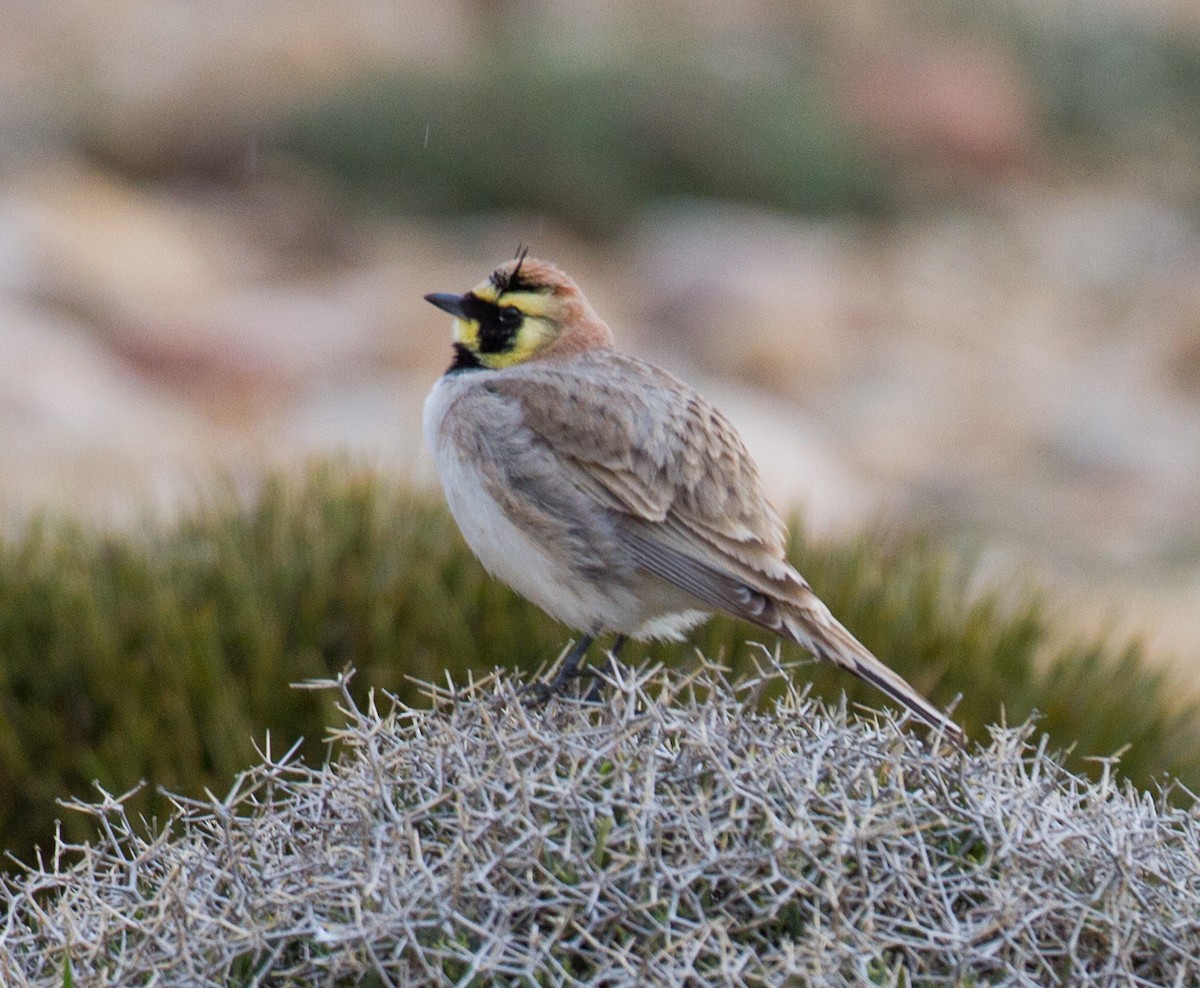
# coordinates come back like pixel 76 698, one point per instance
pixel 813 626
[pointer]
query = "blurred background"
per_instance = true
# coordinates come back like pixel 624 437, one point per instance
pixel 940 261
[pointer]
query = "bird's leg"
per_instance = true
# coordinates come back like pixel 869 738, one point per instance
pixel 570 666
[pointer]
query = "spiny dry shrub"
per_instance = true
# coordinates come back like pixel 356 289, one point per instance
pixel 678 833
pixel 159 655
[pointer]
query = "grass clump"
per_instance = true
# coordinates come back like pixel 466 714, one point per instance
pixel 677 834
pixel 161 656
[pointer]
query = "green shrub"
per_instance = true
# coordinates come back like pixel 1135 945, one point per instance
pixel 166 655
pixel 587 144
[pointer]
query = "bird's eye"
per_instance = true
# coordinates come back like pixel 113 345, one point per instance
pixel 510 315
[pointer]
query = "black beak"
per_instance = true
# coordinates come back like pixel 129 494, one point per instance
pixel 448 303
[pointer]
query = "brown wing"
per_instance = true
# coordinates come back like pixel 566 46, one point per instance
pixel 651 448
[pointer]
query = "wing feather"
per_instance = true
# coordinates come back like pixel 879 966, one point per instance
pixel 649 447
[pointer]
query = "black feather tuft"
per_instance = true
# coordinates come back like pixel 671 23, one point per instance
pixel 511 281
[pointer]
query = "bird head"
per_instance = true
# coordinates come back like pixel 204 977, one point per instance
pixel 524 310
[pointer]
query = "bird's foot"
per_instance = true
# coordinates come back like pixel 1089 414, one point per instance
pixel 542 691
pixel 570 670
pixel 538 692
pixel 573 668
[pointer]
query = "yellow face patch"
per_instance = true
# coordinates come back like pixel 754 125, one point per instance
pixel 532 336
pixel 486 290
pixel 466 332
pixel 496 348
pixel 530 303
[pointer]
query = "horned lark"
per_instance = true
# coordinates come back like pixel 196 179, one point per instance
pixel 607 491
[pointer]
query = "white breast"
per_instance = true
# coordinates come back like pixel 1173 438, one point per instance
pixel 506 551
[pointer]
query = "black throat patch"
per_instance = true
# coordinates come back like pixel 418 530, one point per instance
pixel 464 360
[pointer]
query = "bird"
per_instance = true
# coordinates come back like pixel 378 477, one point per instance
pixel 607 491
